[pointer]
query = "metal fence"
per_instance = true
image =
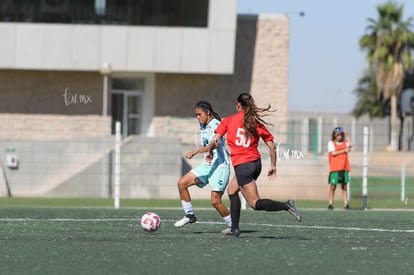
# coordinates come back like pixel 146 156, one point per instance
pixel 312 133
pixel 151 166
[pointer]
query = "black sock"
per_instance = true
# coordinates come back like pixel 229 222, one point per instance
pixel 270 205
pixel 235 206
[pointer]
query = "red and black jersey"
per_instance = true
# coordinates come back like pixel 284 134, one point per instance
pixel 242 149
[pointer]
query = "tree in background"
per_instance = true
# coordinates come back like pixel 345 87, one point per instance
pixel 388 43
pixel 368 99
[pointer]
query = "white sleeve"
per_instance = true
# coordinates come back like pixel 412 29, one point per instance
pixel 331 147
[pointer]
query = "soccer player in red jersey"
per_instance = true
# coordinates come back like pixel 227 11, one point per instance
pixel 243 132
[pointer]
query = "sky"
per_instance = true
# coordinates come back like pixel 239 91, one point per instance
pixel 325 60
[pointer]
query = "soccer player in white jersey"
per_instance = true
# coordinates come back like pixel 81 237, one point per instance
pixel 214 171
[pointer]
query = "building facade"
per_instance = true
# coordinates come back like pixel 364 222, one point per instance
pixel 71 69
pixel 160 63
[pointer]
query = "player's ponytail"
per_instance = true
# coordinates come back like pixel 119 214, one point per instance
pixel 215 115
pixel 249 125
pixel 252 114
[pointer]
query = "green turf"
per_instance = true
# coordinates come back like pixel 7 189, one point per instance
pixel 107 241
pixel 91 202
pixel 383 192
pixel 356 202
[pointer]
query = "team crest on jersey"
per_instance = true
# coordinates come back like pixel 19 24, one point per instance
pixel 204 141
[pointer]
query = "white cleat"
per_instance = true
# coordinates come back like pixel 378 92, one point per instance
pixel 189 218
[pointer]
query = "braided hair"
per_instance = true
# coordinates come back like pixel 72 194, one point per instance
pixel 206 107
pixel 252 114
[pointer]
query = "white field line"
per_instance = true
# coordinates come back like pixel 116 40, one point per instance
pixel 211 222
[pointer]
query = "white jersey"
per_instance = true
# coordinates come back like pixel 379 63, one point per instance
pixel 331 146
pixel 220 154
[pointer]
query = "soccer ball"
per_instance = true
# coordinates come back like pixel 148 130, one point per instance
pixel 150 222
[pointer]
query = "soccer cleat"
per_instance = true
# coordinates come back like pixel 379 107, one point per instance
pixel 330 207
pixel 235 232
pixel 293 210
pixel 346 207
pixel 189 218
pixel 226 231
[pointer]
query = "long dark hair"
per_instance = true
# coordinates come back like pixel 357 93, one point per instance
pixel 252 114
pixel 206 107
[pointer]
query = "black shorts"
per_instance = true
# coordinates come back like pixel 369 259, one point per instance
pixel 248 172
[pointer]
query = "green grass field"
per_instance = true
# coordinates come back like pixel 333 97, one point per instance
pixel 383 192
pixel 61 237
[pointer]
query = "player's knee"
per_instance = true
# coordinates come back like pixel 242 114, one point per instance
pixel 215 202
pixel 252 204
pixel 182 184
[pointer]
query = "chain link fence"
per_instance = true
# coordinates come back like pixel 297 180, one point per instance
pixel 150 166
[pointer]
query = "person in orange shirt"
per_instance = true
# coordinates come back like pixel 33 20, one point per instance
pixel 339 165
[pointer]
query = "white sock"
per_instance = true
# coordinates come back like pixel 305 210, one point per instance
pixel 188 207
pixel 227 220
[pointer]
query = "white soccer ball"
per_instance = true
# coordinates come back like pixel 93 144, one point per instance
pixel 150 222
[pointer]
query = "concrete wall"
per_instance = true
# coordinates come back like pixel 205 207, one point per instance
pixel 16 127
pixel 77 47
pixel 261 64
pixel 150 168
pixel 262 50
pixel 176 94
pixel 50 92
pixel 261 58
pixel 44 165
pixel 271 65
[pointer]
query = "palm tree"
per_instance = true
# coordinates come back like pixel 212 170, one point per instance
pixel 388 43
pixel 368 102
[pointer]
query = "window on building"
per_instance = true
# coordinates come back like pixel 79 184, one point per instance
pixel 176 13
